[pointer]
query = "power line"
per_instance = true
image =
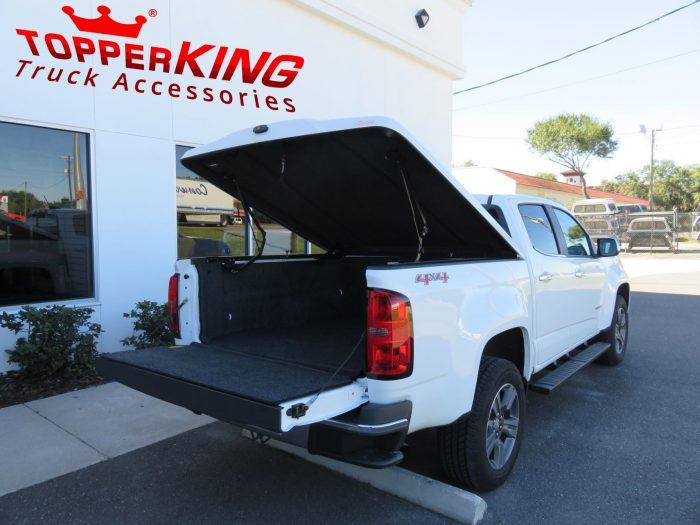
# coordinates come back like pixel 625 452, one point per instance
pixel 685 126
pixel 50 186
pixel 569 84
pixel 587 48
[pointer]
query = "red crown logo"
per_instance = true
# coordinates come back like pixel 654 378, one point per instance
pixel 104 24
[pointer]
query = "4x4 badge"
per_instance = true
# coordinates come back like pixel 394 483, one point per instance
pixel 426 278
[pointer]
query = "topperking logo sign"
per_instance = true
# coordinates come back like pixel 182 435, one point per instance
pixel 126 57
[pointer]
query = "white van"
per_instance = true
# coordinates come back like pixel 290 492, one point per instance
pixel 594 207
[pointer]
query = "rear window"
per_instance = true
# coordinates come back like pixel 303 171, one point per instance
pixel 596 225
pixel 649 225
pixel 590 208
pixel 47 223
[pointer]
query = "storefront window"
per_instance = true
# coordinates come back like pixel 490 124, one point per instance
pixel 209 220
pixel 45 227
pixel 278 239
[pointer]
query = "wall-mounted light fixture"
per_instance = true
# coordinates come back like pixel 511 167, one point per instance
pixel 422 18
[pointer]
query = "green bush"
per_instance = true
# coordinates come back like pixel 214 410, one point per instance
pixel 150 326
pixel 60 341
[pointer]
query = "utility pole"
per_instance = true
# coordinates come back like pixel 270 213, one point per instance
pixel 69 173
pixel 643 129
pixel 25 198
pixel 651 171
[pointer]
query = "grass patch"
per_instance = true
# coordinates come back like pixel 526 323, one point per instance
pixel 234 236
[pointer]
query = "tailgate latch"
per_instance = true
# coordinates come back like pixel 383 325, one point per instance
pixel 297 411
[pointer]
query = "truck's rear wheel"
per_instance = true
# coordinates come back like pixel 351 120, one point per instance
pixel 223 221
pixel 480 451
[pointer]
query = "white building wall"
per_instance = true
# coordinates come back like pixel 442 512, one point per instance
pixel 360 58
pixel 483 180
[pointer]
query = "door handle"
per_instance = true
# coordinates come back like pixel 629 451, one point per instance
pixel 579 273
pixel 546 276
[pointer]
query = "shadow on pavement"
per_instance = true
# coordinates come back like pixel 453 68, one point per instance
pixel 613 445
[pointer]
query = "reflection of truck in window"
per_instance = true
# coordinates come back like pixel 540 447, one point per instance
pixel 46 257
pixel 71 227
pixel 200 202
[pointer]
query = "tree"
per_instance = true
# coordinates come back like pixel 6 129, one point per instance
pixel 546 175
pixel 572 141
pixel 631 184
pixel 674 186
pixel 16 201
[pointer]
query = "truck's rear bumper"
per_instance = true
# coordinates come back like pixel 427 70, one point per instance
pixel 370 436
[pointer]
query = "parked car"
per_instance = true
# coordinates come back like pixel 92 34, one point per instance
pixel 32 265
pixel 597 209
pixel 650 232
pixel 631 208
pixel 422 313
pixel 600 227
pixel 594 207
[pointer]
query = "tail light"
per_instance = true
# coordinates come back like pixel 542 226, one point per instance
pixel 389 335
pixel 174 305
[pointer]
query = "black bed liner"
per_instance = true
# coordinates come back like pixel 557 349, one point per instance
pixel 243 378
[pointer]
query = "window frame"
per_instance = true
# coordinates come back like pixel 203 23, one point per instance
pixel 92 253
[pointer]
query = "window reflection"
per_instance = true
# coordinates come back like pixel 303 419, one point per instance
pixel 45 234
pixel 210 222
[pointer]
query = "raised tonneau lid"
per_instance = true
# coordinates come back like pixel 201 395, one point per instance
pixel 338 183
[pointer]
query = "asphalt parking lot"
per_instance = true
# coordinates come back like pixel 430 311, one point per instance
pixel 614 445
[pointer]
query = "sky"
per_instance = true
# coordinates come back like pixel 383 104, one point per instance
pixel 38 156
pixel 506 36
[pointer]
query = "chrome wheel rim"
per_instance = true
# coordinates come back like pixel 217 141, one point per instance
pixel 620 330
pixel 502 426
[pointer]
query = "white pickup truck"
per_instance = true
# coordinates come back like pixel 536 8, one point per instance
pixel 431 308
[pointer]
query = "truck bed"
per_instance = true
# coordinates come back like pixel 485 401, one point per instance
pixel 265 366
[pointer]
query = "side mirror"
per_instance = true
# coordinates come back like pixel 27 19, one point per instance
pixel 608 248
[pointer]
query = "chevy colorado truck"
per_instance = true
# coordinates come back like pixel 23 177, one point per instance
pixel 431 308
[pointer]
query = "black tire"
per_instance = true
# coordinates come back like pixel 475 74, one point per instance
pixel 616 353
pixel 463 444
pixel 223 221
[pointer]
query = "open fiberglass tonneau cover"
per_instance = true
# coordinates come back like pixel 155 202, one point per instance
pixel 355 187
pixel 345 185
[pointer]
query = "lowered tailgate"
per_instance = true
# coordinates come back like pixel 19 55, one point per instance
pixel 247 390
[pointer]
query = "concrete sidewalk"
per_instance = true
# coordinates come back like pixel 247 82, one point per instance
pixel 50 437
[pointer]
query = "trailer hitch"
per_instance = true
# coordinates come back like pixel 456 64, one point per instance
pixel 297 411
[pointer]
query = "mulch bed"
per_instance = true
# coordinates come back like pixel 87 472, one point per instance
pixel 15 389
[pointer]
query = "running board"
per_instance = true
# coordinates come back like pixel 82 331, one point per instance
pixel 547 383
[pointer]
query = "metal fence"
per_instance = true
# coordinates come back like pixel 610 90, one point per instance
pixel 651 231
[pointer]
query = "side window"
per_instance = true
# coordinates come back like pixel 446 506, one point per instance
pixel 539 228
pixel 574 235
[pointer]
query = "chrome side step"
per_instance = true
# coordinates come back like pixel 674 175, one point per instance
pixel 547 383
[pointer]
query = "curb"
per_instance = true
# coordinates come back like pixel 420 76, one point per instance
pixel 441 498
